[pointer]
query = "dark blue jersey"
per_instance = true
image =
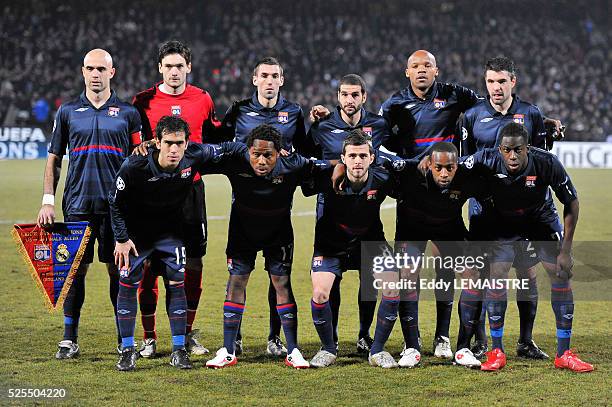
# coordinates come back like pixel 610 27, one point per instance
pixel 261 206
pixel 524 196
pixel 97 140
pixel 147 202
pixel 351 217
pixel 420 200
pixel 245 115
pixel 418 123
pixel 482 125
pixel 325 137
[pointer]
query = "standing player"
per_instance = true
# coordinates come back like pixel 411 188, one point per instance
pixel 481 128
pixel 519 177
pixel 262 186
pixel 174 96
pixel 99 131
pixel 147 211
pixel 347 220
pixel 324 140
pixel 266 106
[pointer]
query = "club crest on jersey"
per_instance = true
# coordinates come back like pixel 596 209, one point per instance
pixel 278 179
pixel 367 130
pixel 317 261
pixel 186 172
pixel 176 110
pixel 113 111
pixel 283 117
pixel 42 252
pixel 530 180
pixel 439 103
pixel 454 195
pixel 371 195
pixel 519 118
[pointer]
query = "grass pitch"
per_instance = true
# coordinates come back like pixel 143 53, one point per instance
pixel 29 334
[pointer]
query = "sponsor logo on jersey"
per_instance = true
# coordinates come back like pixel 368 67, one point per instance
pixel 501 175
pixel 153 179
pixel 486 120
pixel 439 103
pixel 530 180
pixel 62 254
pixel 317 261
pixel 337 131
pixel 283 117
pixel 113 111
pixel 409 106
pixel 371 194
pixel 277 180
pixel 245 175
pixel 42 252
pixel 252 114
pixel 186 172
pixel 175 110
pixel 120 184
pixel 82 109
pixel 367 130
pixel 518 118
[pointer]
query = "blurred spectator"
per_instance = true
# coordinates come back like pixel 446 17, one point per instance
pixel 561 48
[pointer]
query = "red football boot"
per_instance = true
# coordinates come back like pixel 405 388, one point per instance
pixel 496 359
pixel 571 361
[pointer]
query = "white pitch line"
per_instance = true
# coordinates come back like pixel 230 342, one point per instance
pixel 210 217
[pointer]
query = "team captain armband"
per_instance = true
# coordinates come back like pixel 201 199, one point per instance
pixel 136 138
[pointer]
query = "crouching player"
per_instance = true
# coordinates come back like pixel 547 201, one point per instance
pixel 146 212
pixel 347 220
pixel 429 208
pixel 263 184
pixel 519 177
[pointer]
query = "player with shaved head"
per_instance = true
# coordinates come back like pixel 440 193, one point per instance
pixel 99 131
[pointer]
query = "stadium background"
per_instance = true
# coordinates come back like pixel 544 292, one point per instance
pixel 561 50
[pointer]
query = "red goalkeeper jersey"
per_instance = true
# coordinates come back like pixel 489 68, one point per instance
pixel 194 105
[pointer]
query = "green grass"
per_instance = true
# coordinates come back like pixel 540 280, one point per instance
pixel 29 334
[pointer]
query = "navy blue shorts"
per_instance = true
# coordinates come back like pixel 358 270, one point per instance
pixel 101 230
pixel 543 238
pixel 363 261
pixel 168 251
pixel 278 260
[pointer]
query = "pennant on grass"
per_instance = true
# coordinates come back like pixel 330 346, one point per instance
pixel 52 256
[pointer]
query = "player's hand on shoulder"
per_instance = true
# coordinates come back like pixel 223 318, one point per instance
pixel 424 165
pixel 284 153
pixel 317 113
pixel 338 177
pixel 122 254
pixel 46 216
pixel 143 148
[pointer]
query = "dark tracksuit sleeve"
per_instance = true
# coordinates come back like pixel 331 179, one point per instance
pixel 466 97
pixel 562 184
pixel 317 178
pixel 135 129
pixel 309 147
pixel 211 126
pixel 215 158
pixel 227 130
pixel 59 136
pixel 466 130
pixel 299 137
pixel 118 202
pixel 146 130
pixel 538 132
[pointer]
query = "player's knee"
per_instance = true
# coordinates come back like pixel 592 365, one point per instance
pixel 320 295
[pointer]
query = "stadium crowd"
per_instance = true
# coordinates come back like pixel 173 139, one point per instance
pixel 560 49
